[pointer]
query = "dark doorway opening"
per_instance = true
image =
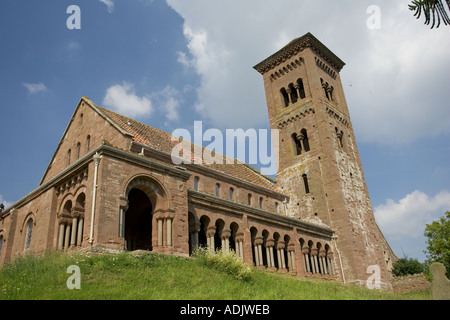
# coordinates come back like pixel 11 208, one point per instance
pixel 138 221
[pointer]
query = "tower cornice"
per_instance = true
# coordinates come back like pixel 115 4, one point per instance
pixel 296 46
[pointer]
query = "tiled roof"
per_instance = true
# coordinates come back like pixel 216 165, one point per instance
pixel 162 141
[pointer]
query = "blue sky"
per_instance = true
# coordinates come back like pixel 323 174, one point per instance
pixel 176 61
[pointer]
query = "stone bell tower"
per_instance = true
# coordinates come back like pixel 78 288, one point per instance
pixel 319 164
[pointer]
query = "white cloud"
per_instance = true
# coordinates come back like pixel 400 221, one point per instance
pixel 400 95
pixel 408 216
pixel 73 45
pixel 171 104
pixel 123 99
pixel 168 103
pixel 35 87
pixel 398 74
pixel 109 4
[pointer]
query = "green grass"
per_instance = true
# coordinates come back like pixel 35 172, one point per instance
pixel 151 276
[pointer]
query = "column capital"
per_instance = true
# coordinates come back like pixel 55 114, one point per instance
pixel 123 203
pixel 195 227
pixel 77 212
pixel 64 218
pixel 226 234
pixel 259 240
pixel 281 245
pixel 239 236
pixel 270 243
pixel 211 231
pixel 164 214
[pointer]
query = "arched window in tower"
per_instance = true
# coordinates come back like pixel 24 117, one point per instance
pixel 293 93
pixel 260 202
pixel 301 89
pixel 305 182
pixel 340 137
pixel 217 190
pixel 78 150
pixel 325 88
pixel 330 93
pixel 88 143
pixel 28 234
pixel 196 182
pixel 249 199
pixel 304 138
pixel 297 144
pixel 68 156
pixel 285 97
pixel 231 194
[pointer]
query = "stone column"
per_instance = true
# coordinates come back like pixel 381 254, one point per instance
pixel 331 263
pixel 67 237
pixel 61 236
pixel 73 237
pixel 294 267
pixel 323 266
pixel 269 264
pixel 301 138
pixel 261 257
pixel 160 232
pixel 240 245
pixel 315 267
pixel 281 261
pixel 330 93
pixel 270 259
pixel 226 240
pixel 80 231
pixel 299 93
pixel 169 231
pixel 122 210
pixel 211 231
pixel 291 258
pixel 289 91
pixel 241 249
pixel 305 252
pixel 258 251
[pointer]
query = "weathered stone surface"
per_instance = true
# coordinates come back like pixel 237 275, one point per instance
pixel 410 283
pixel 440 286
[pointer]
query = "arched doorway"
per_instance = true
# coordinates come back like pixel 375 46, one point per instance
pixel 145 220
pixel 138 221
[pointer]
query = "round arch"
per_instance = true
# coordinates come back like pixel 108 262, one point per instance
pixel 68 197
pixel 154 189
pixel 146 200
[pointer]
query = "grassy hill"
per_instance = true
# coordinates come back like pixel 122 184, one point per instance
pixel 150 276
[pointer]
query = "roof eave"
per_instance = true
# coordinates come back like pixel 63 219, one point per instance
pixel 296 46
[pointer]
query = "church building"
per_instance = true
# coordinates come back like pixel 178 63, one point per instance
pixel 112 184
